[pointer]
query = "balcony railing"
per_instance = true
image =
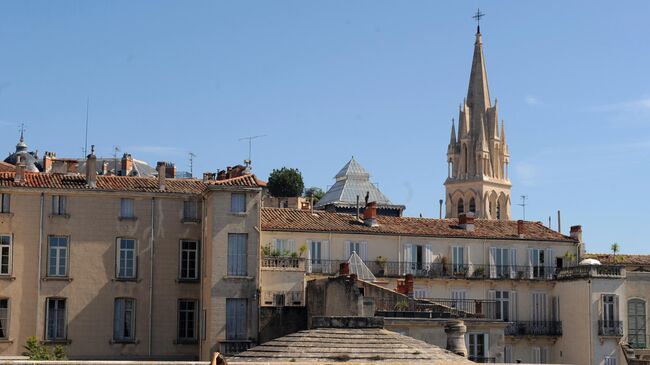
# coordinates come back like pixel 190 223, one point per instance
pixel 638 341
pixel 283 263
pixel 435 308
pixel 282 298
pixel 482 359
pixel 469 271
pixel 233 347
pixel 534 328
pixel 610 328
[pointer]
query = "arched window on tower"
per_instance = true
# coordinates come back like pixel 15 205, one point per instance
pixel 472 205
pixel 461 206
pixel 498 210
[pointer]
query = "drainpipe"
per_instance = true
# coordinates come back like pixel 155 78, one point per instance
pixel 151 258
pixel 40 254
pixel 202 319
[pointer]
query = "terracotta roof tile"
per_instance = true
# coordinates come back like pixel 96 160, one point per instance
pixel 294 220
pixel 621 259
pixel 121 183
pixel 7 166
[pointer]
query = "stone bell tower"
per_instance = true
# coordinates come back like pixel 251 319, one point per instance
pixel 477 157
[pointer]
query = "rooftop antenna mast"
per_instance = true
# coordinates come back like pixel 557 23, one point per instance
pixel 250 146
pixel 192 155
pixel 523 204
pixel 116 149
pixel 86 138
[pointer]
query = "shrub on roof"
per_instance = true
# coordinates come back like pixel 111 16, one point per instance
pixel 285 182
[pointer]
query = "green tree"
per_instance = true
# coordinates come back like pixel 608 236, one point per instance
pixel 37 351
pixel 615 249
pixel 314 192
pixel 285 182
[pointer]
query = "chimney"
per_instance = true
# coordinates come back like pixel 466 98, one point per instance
pixel 520 228
pixel 170 170
pixel 127 164
pixel 466 221
pixel 408 282
pixel 576 233
pixel 207 176
pixel 370 215
pixel 161 167
pixel 105 168
pixel 91 168
pixel 47 161
pixel 19 177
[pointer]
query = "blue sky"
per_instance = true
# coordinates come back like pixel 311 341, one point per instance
pixel 326 80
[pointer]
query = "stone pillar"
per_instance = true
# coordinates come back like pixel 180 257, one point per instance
pixel 455 331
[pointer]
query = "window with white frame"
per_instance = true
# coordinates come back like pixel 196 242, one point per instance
pixel 238 203
pixel 126 208
pixel 187 320
pixel 5 203
pixel 539 355
pixel 124 320
pixel 458 259
pixel 57 256
pixel 5 254
pixel 236 319
pixel 59 205
pixel 360 247
pixel 502 263
pixel 478 347
pixel 610 311
pixel 126 258
pixel 4 319
pixel 283 246
pixel 237 254
pixel 55 319
pixel 189 260
pixel 502 299
pixel 190 210
pixel 536 261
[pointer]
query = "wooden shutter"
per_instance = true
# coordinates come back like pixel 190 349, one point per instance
pixel 292 245
pixel 346 251
pixel 513 263
pixel 492 260
pixel 530 263
pixel 325 256
pixel 363 247
pixel 308 259
pixel 408 257
pixel 536 355
pixel 513 306
pixel 428 255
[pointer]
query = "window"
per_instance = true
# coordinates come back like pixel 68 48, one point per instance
pixel 126 208
pixel 502 262
pixel 316 252
pixel 538 301
pixel 503 305
pixel 283 247
pixel 458 259
pixel 187 315
pixel 361 248
pixel 478 347
pixel 539 355
pixel 5 254
pixel 498 210
pixel 508 357
pixel 318 256
pixel 4 319
pixel 610 360
pixel 189 260
pixel 5 200
pixel 636 322
pixel 536 262
pixel 55 319
pixel 237 254
pixel 126 258
pixel 57 256
pixel 238 203
pixel 236 321
pixel 58 205
pixel 461 206
pixel 190 210
pixel 472 205
pixel 124 320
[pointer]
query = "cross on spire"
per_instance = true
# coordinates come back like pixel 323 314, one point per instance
pixel 478 17
pixel 22 132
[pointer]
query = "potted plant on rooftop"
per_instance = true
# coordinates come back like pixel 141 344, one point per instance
pixel 381 263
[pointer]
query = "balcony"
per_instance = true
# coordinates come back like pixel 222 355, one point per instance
pixel 282 298
pixel 590 271
pixel 233 347
pixel 534 328
pixel 610 328
pixel 283 263
pixel 435 308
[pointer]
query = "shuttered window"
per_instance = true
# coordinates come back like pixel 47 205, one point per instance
pixel 236 319
pixel 124 320
pixel 237 254
pixel 126 208
pixel 238 203
pixel 58 205
pixel 55 319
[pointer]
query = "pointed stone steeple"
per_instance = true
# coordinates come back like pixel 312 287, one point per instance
pixel 478 158
pixel 478 94
pixel 452 139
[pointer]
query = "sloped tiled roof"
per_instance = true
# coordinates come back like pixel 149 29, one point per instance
pixel 352 181
pixel 621 259
pixel 4 166
pixel 122 183
pixel 294 220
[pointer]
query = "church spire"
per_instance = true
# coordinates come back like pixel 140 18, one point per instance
pixel 478 94
pixel 452 139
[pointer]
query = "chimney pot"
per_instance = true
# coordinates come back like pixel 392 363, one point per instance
pixel 370 215
pixel 344 269
pixel 520 228
pixel 466 221
pixel 91 168
pixel 576 233
pixel 408 282
pixel 19 177
pixel 161 167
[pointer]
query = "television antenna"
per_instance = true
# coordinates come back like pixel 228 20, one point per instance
pixel 250 146
pixel 192 155
pixel 523 204
pixel 116 149
pixel 86 138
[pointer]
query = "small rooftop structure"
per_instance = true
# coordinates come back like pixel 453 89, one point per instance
pixel 359 268
pixel 354 339
pixel 589 262
pixel 30 159
pixel 351 182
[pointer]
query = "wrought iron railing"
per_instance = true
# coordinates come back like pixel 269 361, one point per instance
pixel 534 328
pixel 610 328
pixel 282 298
pixel 233 347
pixel 482 359
pixel 393 306
pixel 283 262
